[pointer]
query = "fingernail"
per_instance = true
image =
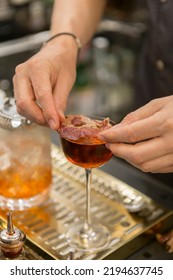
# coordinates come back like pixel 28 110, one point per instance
pixel 52 124
pixel 61 114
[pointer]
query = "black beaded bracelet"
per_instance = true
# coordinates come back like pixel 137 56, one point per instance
pixel 77 40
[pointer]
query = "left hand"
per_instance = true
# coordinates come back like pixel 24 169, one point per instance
pixel 144 138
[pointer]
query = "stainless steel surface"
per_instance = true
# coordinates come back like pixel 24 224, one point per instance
pixel 46 226
pixel 133 30
pixel 34 41
pixel 9 118
pixel 27 43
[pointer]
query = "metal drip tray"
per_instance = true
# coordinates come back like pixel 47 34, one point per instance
pixel 124 210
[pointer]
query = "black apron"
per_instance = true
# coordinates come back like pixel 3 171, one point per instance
pixel 155 65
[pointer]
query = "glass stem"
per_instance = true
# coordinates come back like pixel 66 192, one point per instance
pixel 88 197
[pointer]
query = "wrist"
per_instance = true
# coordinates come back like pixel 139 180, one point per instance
pixel 66 39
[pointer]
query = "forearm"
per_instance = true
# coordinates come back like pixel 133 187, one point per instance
pixel 80 17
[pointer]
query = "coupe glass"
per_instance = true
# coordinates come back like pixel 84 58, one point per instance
pixel 87 152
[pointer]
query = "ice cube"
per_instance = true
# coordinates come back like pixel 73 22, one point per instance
pixel 5 156
pixel 31 155
pixel 5 162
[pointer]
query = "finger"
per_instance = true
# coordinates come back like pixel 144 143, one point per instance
pixel 142 152
pixel 145 111
pixel 164 170
pixel 162 164
pixel 25 101
pixel 62 90
pixel 44 96
pixel 138 131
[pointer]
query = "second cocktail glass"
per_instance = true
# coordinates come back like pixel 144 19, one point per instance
pixel 82 147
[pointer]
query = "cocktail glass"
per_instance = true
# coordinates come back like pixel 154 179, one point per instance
pixel 82 147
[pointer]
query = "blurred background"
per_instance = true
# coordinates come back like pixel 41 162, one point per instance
pixel 105 80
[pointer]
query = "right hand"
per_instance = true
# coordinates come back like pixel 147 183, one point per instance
pixel 144 137
pixel 42 83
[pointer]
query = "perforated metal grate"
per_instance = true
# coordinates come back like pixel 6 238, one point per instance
pixel 125 211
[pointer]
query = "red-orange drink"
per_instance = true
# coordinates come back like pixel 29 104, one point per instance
pixel 80 143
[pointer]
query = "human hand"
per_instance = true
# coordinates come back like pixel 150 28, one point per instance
pixel 144 138
pixel 42 83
